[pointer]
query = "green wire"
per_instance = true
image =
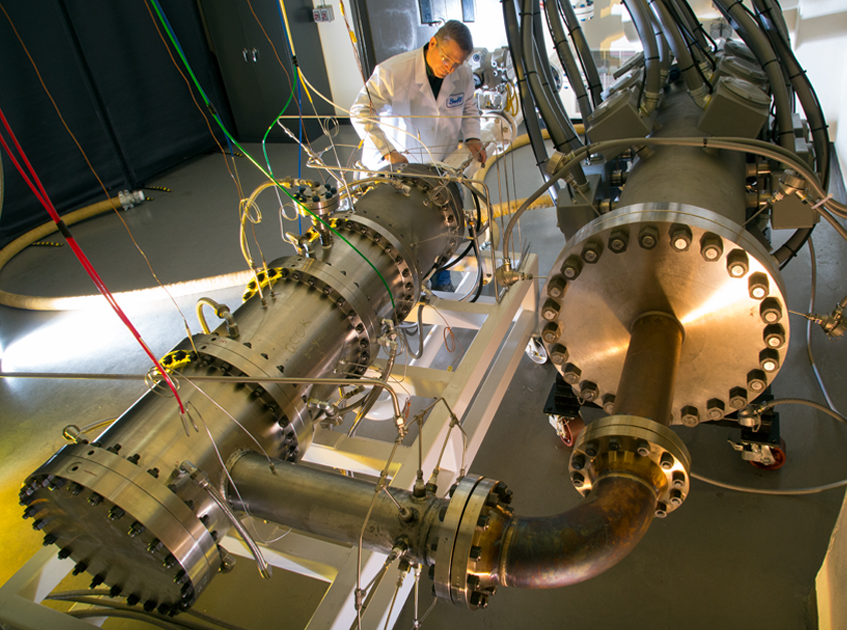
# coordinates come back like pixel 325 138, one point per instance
pixel 214 113
pixel 264 139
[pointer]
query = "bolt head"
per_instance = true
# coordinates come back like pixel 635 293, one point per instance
pixel 609 403
pixel 648 237
pixel 711 247
pixel 558 354
pixel 680 237
pixel 738 398
pixel 770 311
pixel 618 241
pixel 588 391
pixel 769 360
pixel 578 462
pixel 737 263
pixel 550 310
pixel 774 336
pixel 591 251
pixel 715 409
pixel 756 381
pixel 643 448
pixel 577 478
pixel 661 510
pixel 666 461
pixel 676 498
pixel 571 374
pixel 678 480
pixel 572 267
pixel 690 416
pixel 556 287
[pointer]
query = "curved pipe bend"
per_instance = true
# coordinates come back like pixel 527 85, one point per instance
pixel 577 545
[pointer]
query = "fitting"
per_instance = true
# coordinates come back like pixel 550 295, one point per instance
pixel 633 447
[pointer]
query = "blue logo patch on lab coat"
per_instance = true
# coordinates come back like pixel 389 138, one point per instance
pixel 455 100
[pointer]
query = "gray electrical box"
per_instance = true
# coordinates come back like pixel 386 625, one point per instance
pixel 736 108
pixel 618 117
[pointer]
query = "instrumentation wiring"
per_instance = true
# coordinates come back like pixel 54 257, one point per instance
pixel 34 183
pixel 812 296
pixel 114 204
pixel 104 593
pixel 172 37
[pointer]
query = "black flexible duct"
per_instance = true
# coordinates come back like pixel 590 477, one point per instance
pixel 690 71
pixel 652 71
pixel 561 131
pixel 582 50
pixel 758 43
pixel 533 129
pixel 546 72
pixel 802 86
pixel 569 65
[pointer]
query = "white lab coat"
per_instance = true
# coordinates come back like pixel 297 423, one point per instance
pixel 400 93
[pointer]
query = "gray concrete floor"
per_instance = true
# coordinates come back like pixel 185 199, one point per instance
pixel 725 559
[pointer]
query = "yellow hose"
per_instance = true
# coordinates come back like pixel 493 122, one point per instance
pixel 35 303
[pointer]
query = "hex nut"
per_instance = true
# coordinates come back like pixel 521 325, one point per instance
pixel 551 333
pixel 571 374
pixel 769 360
pixel 690 416
pixel 618 241
pixel 591 251
pixel 550 310
pixel 738 397
pixel 770 310
pixel 648 237
pixel 680 237
pixel 774 336
pixel 556 287
pixel 711 247
pixel 588 391
pixel 558 354
pixel 715 409
pixel 758 286
pixel 572 267
pixel 608 401
pixel 756 381
pixel 737 263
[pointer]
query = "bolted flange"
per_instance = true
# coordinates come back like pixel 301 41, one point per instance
pixel 632 446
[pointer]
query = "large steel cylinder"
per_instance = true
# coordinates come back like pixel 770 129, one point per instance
pixel 122 507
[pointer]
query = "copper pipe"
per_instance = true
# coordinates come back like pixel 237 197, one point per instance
pixel 649 370
pixel 555 551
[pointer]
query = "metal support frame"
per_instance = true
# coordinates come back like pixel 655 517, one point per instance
pixel 474 390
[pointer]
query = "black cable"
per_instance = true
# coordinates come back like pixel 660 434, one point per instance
pixel 479 268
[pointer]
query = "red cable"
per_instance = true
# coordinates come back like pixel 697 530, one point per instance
pixel 41 194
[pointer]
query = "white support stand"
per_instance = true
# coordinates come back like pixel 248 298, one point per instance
pixel 473 390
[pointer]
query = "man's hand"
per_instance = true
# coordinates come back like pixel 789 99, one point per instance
pixel 395 157
pixel 477 150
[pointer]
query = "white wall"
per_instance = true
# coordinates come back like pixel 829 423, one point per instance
pixel 820 39
pixel 345 77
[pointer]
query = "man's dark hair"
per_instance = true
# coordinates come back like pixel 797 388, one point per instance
pixel 454 30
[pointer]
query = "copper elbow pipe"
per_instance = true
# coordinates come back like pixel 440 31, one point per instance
pixel 574 546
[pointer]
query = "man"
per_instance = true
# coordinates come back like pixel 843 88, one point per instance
pixel 416 104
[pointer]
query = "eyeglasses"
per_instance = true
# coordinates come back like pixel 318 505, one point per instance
pixel 445 60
